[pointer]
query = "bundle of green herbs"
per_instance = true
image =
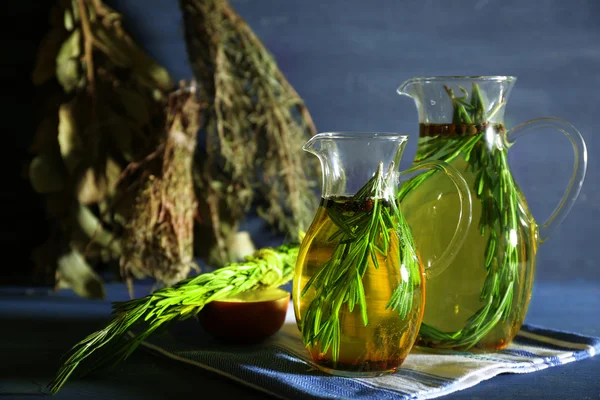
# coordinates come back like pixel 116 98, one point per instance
pixel 266 268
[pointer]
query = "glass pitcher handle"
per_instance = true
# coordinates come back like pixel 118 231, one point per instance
pixel 579 166
pixel 464 218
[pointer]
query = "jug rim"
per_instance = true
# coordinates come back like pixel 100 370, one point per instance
pixel 493 78
pixel 362 135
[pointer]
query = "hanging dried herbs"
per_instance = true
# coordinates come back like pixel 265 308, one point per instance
pixel 158 238
pixel 104 108
pixel 119 182
pixel 255 125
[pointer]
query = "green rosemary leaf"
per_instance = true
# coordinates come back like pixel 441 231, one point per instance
pixel 384 233
pixel 496 108
pixel 351 297
pixel 461 116
pixel 507 303
pixel 503 192
pixel 490 250
pixel 372 250
pixel 335 235
pixel 363 255
pixel 466 105
pixel 480 185
pixel 394 302
pixel 479 116
pixel 335 344
pixel 313 278
pixel 372 224
pixel 490 286
pixel 337 217
pixel 380 250
pixel 317 319
pixel 360 290
pixel 328 334
pixel 479 318
pixel 368 190
pixel 386 217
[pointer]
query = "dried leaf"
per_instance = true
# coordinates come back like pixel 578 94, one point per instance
pixel 45 173
pixel 135 105
pixel 122 135
pixel 91 227
pixel 112 174
pixel 68 20
pixel 121 131
pixel 113 50
pixel 90 188
pixel 91 13
pixel 159 76
pixel 68 140
pixel 126 54
pixel 75 8
pixel 67 64
pixel 94 187
pixel 74 272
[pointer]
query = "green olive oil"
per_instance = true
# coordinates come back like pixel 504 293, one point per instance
pixel 382 345
pixel 456 295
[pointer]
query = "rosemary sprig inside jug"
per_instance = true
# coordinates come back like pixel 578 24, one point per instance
pixel 369 229
pixel 498 194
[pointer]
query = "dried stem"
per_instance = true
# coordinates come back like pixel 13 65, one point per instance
pixel 87 45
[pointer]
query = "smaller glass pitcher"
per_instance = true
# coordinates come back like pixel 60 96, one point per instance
pixel 358 288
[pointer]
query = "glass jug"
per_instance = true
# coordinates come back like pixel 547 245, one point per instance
pixel 478 302
pixel 358 288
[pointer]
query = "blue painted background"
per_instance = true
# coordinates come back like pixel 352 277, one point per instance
pixel 347 57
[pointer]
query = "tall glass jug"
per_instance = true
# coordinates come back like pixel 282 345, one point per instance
pixel 480 301
pixel 358 288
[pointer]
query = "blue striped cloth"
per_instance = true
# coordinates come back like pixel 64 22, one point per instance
pixel 282 368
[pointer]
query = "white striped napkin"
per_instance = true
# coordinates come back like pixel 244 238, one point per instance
pixel 282 368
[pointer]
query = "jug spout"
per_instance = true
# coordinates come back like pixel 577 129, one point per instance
pixel 350 159
pixel 408 88
pixel 313 145
pixel 436 97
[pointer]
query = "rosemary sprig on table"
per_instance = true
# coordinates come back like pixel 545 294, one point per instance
pixel 267 267
pixel 360 238
pixel 499 197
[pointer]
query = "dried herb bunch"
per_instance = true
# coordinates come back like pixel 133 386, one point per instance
pixel 117 161
pixel 255 126
pixel 158 238
pixel 103 108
